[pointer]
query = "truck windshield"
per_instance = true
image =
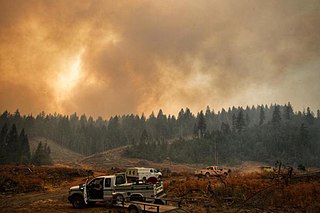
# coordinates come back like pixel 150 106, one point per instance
pixel 120 179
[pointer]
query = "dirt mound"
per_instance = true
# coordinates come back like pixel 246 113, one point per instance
pixel 59 154
pixel 115 159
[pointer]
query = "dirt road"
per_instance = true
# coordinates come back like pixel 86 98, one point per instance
pixel 56 201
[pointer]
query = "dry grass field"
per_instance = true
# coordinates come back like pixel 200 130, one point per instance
pixel 37 189
pixel 246 189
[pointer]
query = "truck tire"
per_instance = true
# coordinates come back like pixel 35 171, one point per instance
pixel 152 180
pixel 91 203
pixel 136 197
pixel 78 202
pixel 158 201
pixel 134 209
pixel 207 175
pixel 118 199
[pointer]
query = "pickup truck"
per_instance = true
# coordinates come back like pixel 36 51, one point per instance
pixel 113 188
pixel 212 171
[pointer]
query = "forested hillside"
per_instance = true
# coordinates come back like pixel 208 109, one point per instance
pixel 262 133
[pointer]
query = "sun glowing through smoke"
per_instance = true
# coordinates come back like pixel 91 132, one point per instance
pixel 68 78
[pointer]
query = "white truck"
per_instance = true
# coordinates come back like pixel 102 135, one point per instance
pixel 212 171
pixel 113 188
pixel 149 175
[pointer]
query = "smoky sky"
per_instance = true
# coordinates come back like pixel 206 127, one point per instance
pixel 104 58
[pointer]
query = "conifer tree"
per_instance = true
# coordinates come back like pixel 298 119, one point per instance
pixel 202 126
pixel 234 122
pixel 247 120
pixel 276 116
pixel 309 116
pixel 3 145
pixel 240 121
pixel 288 111
pixel 42 155
pixel 24 148
pixel 13 145
pixel 262 116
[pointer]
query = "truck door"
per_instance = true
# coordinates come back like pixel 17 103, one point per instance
pixel 95 189
pixel 107 189
pixel 85 194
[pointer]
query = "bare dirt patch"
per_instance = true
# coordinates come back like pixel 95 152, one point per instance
pixel 59 154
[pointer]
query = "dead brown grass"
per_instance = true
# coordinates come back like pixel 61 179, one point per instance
pixel 247 191
pixel 18 179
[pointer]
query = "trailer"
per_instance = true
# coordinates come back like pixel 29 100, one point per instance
pixel 146 207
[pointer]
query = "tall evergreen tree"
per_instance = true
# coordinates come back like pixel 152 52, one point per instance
pixel 3 145
pixel 202 126
pixel 247 120
pixel 42 155
pixel 288 111
pixel 276 116
pixel 144 137
pixel 262 116
pixel 13 145
pixel 309 116
pixel 240 120
pixel 234 122
pixel 24 148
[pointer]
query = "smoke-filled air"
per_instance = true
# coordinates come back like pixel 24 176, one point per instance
pixel 118 57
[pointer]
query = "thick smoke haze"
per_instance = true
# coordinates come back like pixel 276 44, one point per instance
pixel 119 57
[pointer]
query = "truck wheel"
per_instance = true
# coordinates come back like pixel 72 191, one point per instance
pixel 158 201
pixel 136 197
pixel 152 180
pixel 91 203
pixel 78 202
pixel 207 175
pixel 119 199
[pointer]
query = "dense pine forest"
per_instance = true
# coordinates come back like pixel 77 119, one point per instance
pixel 259 133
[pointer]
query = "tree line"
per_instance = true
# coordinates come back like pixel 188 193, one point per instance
pixel 265 134
pixel 235 134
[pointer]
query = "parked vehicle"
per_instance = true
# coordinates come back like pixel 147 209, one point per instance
pixel 149 175
pixel 212 171
pixel 114 188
